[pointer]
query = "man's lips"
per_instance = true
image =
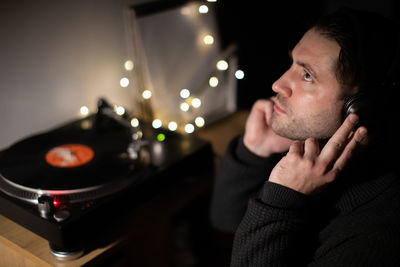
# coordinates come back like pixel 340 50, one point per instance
pixel 278 108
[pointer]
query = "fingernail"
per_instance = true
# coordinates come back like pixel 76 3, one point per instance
pixel 363 132
pixel 353 118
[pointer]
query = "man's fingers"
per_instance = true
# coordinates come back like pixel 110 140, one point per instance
pixel 260 112
pixel 311 148
pixel 339 140
pixel 263 107
pixel 296 147
pixel 361 135
pixel 359 138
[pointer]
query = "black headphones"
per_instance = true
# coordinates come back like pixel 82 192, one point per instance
pixel 368 106
pixel 356 104
pixel 362 105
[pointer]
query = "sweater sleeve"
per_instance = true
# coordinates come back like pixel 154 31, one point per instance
pixel 275 230
pixel 239 176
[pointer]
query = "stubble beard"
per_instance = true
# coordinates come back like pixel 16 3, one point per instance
pixel 300 128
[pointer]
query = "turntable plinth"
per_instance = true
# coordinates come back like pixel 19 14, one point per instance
pixel 150 230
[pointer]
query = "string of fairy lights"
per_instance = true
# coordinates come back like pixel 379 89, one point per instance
pixel 188 100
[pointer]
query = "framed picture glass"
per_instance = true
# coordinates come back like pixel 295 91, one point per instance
pixel 180 72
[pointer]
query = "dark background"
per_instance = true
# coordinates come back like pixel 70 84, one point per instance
pixel 265 30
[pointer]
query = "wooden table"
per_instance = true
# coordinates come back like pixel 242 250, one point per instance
pixel 21 247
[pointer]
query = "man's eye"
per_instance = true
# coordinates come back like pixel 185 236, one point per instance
pixel 307 77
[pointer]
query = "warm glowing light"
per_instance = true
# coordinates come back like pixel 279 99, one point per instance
pixel 185 11
pixel 134 122
pixel 208 39
pixel 213 82
pixel 120 110
pixel 157 123
pixel 84 110
pixel 129 65
pixel 184 106
pixel 239 74
pixel 199 121
pixel 146 94
pixel 184 93
pixel 86 125
pixel 196 102
pixel 212 1
pixel 222 65
pixel 189 128
pixel 124 82
pixel 160 137
pixel 172 126
pixel 203 9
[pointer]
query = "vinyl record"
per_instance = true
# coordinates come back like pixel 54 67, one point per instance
pixel 68 158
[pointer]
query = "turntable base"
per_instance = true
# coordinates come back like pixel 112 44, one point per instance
pixel 21 247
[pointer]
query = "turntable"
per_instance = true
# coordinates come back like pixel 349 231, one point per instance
pixel 70 183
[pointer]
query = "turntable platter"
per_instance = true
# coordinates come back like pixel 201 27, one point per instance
pixel 67 159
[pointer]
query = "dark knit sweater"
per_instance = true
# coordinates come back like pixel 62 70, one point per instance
pixel 353 222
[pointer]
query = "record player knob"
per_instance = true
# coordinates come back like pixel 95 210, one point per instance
pixel 45 206
pixel 61 215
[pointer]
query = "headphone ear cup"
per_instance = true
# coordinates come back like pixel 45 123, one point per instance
pixel 355 104
pixel 369 111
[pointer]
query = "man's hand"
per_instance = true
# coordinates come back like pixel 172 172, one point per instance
pixel 259 137
pixel 306 169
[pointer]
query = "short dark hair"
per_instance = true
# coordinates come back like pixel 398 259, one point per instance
pixel 335 28
pixel 369 59
pixel 368 44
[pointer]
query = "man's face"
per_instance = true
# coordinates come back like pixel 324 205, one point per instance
pixel 309 101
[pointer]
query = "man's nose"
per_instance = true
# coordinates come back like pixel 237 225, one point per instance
pixel 281 86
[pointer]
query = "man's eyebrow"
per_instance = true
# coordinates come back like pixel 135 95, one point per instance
pixel 304 65
pixel 308 68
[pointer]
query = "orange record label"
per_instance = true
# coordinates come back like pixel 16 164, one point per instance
pixel 70 155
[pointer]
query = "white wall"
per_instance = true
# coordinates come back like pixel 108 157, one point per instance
pixel 56 56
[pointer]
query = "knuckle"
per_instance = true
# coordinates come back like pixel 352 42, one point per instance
pixel 259 102
pixel 332 175
pixel 321 166
pixel 308 163
pixel 262 102
pixel 337 145
pixel 292 157
pixel 330 178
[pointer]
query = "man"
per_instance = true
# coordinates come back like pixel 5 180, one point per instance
pixel 307 185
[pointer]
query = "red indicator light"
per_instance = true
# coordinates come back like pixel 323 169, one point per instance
pixel 56 203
